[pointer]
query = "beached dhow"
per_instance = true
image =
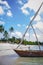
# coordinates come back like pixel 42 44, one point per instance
pixel 30 53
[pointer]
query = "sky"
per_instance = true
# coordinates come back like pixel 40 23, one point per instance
pixel 18 14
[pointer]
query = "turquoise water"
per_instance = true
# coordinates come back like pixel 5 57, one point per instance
pixel 12 60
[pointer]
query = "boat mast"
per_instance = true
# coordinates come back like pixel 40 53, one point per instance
pixel 30 24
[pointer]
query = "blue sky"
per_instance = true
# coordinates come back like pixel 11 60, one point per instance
pixel 18 13
pixel 17 16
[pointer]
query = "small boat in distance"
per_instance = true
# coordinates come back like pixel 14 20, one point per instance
pixel 30 53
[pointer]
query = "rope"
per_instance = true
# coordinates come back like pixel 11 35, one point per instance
pixel 35 36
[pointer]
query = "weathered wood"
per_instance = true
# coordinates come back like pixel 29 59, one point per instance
pixel 31 53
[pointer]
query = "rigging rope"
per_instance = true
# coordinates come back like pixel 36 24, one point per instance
pixel 35 36
pixel 30 24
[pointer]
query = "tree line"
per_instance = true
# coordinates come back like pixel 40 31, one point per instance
pixel 6 37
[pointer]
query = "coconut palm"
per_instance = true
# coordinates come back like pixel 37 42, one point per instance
pixel 1 28
pixel 11 29
pixel 5 35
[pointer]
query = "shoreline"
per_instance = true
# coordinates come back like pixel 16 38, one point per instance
pixel 7 48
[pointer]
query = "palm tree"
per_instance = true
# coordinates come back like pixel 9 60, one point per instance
pixel 5 35
pixel 1 28
pixel 11 29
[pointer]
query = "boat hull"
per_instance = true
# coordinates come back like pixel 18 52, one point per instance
pixel 27 53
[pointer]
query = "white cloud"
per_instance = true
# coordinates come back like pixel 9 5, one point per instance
pixel 33 5
pixel 5 7
pixel 1 10
pixel 39 25
pixel 41 10
pixel 27 26
pixel 25 11
pixel 1 35
pixel 2 23
pixel 38 18
pixel 39 36
pixel 19 25
pixel 5 3
pixel 9 13
pixel 32 37
pixel 18 34
pixel 39 30
pixel 27 35
pixel 11 34
pixel 20 2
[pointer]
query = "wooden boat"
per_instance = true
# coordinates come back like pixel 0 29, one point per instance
pixel 29 53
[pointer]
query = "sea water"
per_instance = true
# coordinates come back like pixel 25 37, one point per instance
pixel 12 60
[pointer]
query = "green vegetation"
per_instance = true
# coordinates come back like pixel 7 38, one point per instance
pixel 1 28
pixel 6 37
pixel 16 40
pixel 31 43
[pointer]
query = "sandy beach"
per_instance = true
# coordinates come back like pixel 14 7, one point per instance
pixel 7 49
